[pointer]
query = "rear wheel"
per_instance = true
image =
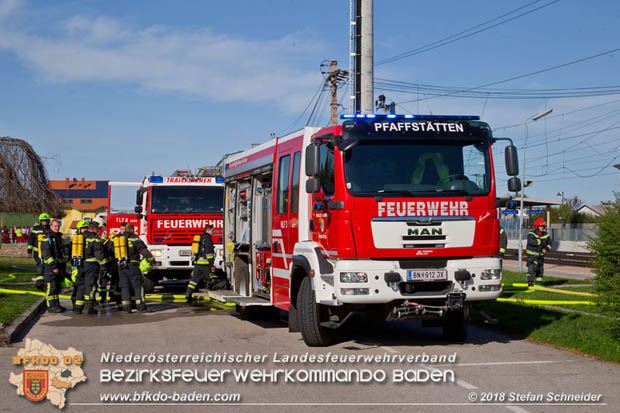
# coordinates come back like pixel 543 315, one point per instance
pixel 455 325
pixel 311 314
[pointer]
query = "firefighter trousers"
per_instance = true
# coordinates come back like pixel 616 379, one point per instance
pixel 52 286
pixel 131 278
pixel 200 273
pixel 86 291
pixel 535 270
pixel 40 278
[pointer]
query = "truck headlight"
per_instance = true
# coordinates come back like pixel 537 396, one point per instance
pixel 353 277
pixel 156 253
pixel 495 274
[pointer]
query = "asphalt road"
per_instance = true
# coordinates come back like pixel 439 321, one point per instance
pixel 487 365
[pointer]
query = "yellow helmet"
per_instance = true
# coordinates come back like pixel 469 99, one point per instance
pixel 82 224
pixel 44 217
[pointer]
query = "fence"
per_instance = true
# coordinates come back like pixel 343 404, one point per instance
pixel 572 232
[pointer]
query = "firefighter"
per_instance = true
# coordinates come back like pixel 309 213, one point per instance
pixel 113 270
pixel 202 264
pixel 423 171
pixel 93 255
pixel 503 242
pixel 104 277
pixel 131 273
pixel 77 274
pixel 538 243
pixel 50 251
pixel 64 250
pixel 33 251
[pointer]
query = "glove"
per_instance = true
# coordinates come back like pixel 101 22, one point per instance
pixel 40 284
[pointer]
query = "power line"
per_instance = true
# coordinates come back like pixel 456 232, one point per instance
pixel 519 76
pixel 514 125
pixel 453 38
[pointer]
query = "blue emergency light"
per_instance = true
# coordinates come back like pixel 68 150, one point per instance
pixel 155 179
pixel 419 117
pixel 219 179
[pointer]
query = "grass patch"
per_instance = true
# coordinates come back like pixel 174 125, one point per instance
pixel 584 333
pixel 509 277
pixel 13 305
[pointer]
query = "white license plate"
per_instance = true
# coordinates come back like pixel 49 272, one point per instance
pixel 185 253
pixel 417 275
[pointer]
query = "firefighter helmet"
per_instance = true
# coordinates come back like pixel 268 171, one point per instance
pixel 82 224
pixel 540 223
pixel 145 266
pixel 44 217
pixel 99 221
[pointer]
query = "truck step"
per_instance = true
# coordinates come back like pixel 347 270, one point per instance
pixel 232 297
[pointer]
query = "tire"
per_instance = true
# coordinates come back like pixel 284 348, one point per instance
pixel 455 325
pixel 311 315
pixel 149 285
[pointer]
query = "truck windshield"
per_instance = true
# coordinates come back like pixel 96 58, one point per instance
pixel 414 167
pixel 186 199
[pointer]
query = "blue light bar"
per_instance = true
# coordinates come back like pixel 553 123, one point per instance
pixel 419 117
pixel 155 179
pixel 219 179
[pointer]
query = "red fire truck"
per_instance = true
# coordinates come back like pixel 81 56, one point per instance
pixel 171 210
pixel 384 215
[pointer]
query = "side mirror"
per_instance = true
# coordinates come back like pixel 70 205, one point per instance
pixel 348 144
pixel 514 184
pixel 139 197
pixel 512 161
pixel 313 186
pixel 138 209
pixel 313 162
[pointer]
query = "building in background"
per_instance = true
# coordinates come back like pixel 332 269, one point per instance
pixel 81 194
pixel 82 199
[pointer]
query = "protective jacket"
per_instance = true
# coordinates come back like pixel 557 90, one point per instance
pixel 205 251
pixel 535 244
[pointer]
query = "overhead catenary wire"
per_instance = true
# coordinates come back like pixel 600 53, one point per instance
pixel 455 37
pixel 548 69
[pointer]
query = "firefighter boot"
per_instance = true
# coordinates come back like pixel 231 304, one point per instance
pixel 54 307
pixel 127 308
pixel 539 281
pixel 530 281
pixel 89 308
pixel 142 308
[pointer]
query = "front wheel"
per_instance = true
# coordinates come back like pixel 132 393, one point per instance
pixel 311 314
pixel 455 325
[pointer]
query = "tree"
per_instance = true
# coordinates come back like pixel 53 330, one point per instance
pixel 606 247
pixel 574 203
pixel 24 186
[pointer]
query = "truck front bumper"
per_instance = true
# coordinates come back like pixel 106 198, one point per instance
pixel 386 281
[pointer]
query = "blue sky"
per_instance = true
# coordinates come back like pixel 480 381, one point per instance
pixel 117 89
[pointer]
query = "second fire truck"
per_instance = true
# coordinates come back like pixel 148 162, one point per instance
pixel 170 211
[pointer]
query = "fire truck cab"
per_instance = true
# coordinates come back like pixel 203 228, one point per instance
pixel 171 210
pixel 385 215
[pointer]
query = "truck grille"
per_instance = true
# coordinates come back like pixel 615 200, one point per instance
pixel 411 288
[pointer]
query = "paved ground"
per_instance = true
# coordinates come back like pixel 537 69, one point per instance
pixel 487 363
pixel 576 273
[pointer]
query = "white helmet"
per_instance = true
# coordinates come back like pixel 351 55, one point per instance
pixel 99 221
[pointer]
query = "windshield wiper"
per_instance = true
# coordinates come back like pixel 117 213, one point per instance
pixel 457 191
pixel 393 192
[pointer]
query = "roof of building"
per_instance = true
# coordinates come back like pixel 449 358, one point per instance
pixel 74 188
pixel 597 209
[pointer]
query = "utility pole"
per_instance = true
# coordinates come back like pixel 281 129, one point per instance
pixel 357 42
pixel 335 77
pixel 367 58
